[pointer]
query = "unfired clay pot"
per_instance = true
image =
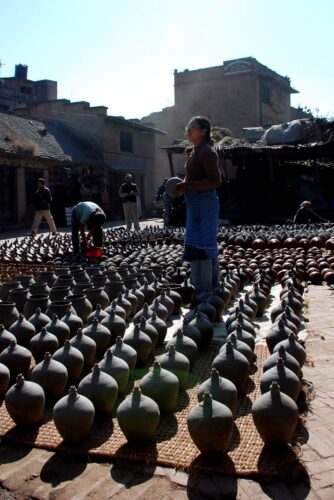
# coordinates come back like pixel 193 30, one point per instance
pixel 210 425
pixel 221 390
pixel 138 416
pixel 72 358
pixel 51 375
pixel 116 368
pixel 125 352
pixel 73 416
pixel 25 402
pixel 101 389
pixel 176 363
pixel 162 386
pixel 275 416
pixel 233 365
pixel 86 345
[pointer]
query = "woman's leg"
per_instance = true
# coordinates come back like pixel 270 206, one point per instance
pixel 75 234
pixel 215 273
pixel 201 275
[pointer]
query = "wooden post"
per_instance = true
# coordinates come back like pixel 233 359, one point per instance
pixel 171 166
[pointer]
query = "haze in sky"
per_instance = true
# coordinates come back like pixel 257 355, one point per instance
pixel 122 53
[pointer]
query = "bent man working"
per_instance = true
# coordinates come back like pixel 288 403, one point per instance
pixel 87 215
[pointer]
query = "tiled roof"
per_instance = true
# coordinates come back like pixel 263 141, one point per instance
pixel 50 141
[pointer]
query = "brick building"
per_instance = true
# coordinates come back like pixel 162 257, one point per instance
pixel 18 91
pixel 239 93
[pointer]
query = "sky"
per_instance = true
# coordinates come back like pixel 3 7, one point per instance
pixel 122 53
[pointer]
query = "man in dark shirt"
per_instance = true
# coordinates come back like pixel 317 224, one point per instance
pixel 128 193
pixel 42 200
pixel 305 214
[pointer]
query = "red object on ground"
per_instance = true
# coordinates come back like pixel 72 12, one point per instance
pixel 94 252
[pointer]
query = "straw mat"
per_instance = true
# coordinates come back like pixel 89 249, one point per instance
pixel 173 447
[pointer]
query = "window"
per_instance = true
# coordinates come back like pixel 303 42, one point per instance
pixel 126 141
pixel 25 90
pixel 281 100
pixel 265 93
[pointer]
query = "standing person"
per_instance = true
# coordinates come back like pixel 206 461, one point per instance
pixel 305 214
pixel 199 188
pixel 42 200
pixel 163 197
pixel 87 215
pixel 128 193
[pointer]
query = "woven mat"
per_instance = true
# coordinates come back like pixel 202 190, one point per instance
pixel 173 447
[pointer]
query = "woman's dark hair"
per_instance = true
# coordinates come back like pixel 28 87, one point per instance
pixel 204 124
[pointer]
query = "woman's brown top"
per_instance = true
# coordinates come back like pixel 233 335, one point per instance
pixel 202 163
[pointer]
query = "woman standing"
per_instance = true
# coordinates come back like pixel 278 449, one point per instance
pixel 199 188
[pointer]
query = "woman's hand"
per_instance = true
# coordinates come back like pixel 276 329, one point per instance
pixel 181 188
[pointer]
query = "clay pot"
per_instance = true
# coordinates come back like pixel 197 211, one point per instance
pixel 6 288
pixel 275 416
pixel 293 347
pixel 187 291
pixel 5 338
pixel 73 416
pixel 125 352
pixel 245 325
pixel 80 288
pixel 287 380
pixel 64 280
pixel 39 320
pixel 276 334
pixel 82 306
pixel 184 345
pixel 40 288
pixel 80 276
pixel 205 328
pixel 51 375
pixel 224 293
pixel 192 332
pixel 160 310
pixel 16 358
pixel 73 321
pixel 241 346
pixel 210 425
pixel 72 358
pixel 97 296
pixel 112 288
pixel 167 302
pixel 144 312
pixel 243 308
pixel 140 297
pixel 116 326
pixel 148 292
pixel 99 314
pixel 116 368
pixel 98 279
pixel 233 365
pixel 219 305
pixel 130 297
pixel 101 389
pixel 289 361
pixel 160 327
pixel 138 416
pixel 176 363
pixel 100 334
pixel 244 336
pixel 60 308
pixel 60 329
pixel 208 309
pixel 58 293
pixel 141 343
pixel 4 379
pixel 46 276
pixel 118 310
pixel 260 299
pixel 43 342
pixel 25 402
pixel 8 313
pixel 150 330
pixel 23 331
pixel 221 390
pixel 86 345
pixel 34 301
pixel 176 298
pixel 162 386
